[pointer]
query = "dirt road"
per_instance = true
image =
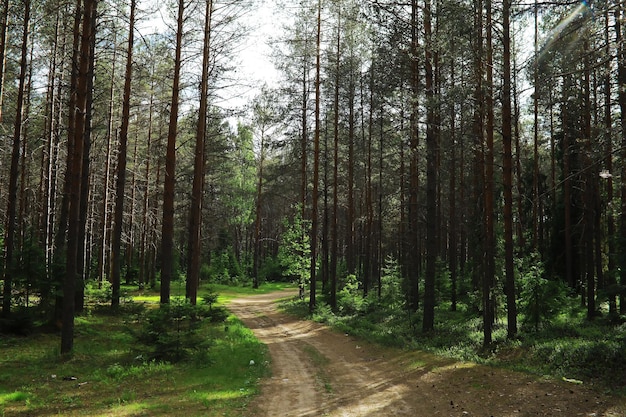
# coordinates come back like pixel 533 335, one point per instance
pixel 319 372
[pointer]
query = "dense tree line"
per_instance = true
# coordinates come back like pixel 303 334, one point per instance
pixel 465 142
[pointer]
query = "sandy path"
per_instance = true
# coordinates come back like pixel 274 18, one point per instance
pixel 319 372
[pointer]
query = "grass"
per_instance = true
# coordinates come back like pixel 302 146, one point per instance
pixel 105 375
pixel 567 347
pixel 320 362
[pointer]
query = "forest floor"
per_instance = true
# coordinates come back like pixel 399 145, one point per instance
pixel 320 372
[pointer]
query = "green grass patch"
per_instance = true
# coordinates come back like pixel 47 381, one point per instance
pixel 320 362
pixel 106 375
pixel 566 346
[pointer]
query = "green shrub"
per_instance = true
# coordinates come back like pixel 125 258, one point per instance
pixel 541 299
pixel 172 332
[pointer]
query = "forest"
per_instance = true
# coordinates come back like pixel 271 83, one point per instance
pixel 429 155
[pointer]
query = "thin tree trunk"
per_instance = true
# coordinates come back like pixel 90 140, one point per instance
pixel 589 190
pixel 9 240
pixel 4 29
pixel 316 162
pixel 432 221
pixel 75 174
pixel 413 273
pixel 334 225
pixel 507 174
pixel 621 80
pixel 85 175
pixel 167 234
pixel 195 216
pixel 452 233
pixel 116 242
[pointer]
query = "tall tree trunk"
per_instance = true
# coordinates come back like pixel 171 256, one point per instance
pixel 305 134
pixel 507 173
pixel 490 239
pixel 570 277
pixel 82 252
pixel 316 161
pixel 145 223
pixel 413 268
pixel 535 193
pixel 103 259
pixel 4 29
pixel 621 80
pixel 334 222
pixel 608 127
pixel 118 221
pixel 351 215
pixel 167 234
pixel 258 214
pixel 9 240
pixel 195 215
pixel 75 174
pixel 589 189
pixel 452 232
pixel 432 221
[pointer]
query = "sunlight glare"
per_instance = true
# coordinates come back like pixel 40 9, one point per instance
pixel 555 33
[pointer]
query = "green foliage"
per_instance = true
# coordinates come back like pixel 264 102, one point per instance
pixel 295 251
pixel 172 332
pixel 272 270
pixel 541 299
pixel 21 322
pixel 99 292
pixel 225 269
pixel 114 379
pixel 350 299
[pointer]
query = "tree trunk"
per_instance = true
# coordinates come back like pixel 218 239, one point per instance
pixel 167 234
pixel 432 221
pixel 334 225
pixel 82 252
pixel 195 215
pixel 589 189
pixel 75 174
pixel 621 80
pixel 413 247
pixel 316 162
pixel 507 174
pixel 3 49
pixel 118 221
pixel 9 240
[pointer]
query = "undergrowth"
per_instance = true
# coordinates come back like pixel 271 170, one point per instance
pixel 110 374
pixel 565 346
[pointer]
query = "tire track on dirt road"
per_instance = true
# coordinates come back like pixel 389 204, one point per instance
pixel 320 372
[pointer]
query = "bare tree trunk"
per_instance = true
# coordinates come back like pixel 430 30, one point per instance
pixel 589 190
pixel 452 233
pixel 507 173
pixel 316 162
pixel 490 243
pixel 167 234
pixel 75 174
pixel 145 225
pixel 334 225
pixel 608 123
pixel 535 193
pixel 195 217
pixel 621 79
pixel 9 240
pixel 118 221
pixel 81 253
pixel 432 221
pixel 413 247
pixel 3 48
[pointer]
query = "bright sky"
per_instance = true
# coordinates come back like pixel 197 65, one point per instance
pixel 254 66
